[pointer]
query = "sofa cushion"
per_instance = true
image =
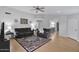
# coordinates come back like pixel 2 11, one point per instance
pixel 23 32
pixel 46 30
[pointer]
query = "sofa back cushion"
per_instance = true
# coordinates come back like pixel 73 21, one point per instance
pixel 22 29
pixel 46 30
pixel 28 29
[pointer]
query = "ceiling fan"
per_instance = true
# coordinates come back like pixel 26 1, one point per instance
pixel 7 13
pixel 38 9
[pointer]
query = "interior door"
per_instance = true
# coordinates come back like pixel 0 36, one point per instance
pixel 73 29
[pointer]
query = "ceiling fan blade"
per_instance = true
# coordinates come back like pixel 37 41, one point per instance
pixel 35 6
pixel 41 10
pixel 7 13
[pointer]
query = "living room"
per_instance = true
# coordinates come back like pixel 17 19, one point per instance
pixel 41 28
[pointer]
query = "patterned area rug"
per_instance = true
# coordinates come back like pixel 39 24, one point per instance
pixel 32 43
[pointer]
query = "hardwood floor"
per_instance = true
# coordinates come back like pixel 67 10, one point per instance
pixel 57 44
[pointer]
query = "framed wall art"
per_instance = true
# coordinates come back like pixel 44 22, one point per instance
pixel 23 21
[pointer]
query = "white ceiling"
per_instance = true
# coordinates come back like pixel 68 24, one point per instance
pixel 55 10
